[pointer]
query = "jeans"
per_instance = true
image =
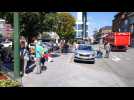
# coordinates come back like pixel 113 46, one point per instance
pixel 107 54
pixel 38 66
pixel 25 65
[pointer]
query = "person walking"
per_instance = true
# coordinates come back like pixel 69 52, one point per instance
pixel 99 52
pixel 38 55
pixel 107 48
pixel 24 55
pixel 62 46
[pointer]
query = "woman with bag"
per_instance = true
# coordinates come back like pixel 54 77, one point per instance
pixel 24 55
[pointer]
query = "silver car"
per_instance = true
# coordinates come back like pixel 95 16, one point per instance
pixel 84 53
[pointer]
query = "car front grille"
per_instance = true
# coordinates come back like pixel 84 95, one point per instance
pixel 84 55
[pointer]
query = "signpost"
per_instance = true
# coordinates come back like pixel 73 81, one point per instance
pixel 16 46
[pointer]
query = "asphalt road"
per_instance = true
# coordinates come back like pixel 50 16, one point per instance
pixel 117 71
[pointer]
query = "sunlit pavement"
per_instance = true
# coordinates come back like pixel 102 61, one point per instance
pixel 117 71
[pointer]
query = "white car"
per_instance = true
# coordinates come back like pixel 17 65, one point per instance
pixel 84 53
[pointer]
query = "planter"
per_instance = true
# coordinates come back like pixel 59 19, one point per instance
pixel 3 77
pixel 5 81
pixel 9 83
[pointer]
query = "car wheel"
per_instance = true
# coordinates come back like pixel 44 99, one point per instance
pixel 74 60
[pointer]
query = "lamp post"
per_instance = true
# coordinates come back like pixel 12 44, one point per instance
pixel 16 46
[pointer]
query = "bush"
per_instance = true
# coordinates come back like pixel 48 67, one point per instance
pixel 9 83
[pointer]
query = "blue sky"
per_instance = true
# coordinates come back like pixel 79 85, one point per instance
pixel 98 19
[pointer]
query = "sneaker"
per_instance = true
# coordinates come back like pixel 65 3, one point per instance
pixel 25 75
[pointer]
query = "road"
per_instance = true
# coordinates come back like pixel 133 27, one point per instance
pixel 117 71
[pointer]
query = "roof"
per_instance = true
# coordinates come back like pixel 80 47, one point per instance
pixel 106 28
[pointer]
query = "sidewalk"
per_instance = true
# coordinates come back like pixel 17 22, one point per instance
pixel 52 75
pixel 64 73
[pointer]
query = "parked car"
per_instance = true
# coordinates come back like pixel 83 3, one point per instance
pixel 49 46
pixel 84 53
pixel 55 46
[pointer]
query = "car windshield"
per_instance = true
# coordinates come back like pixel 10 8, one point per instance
pixel 83 47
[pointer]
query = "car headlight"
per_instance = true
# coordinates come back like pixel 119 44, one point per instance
pixel 93 55
pixel 76 54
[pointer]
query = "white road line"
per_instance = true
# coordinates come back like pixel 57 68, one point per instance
pixel 116 59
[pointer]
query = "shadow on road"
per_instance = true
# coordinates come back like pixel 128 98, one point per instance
pixel 118 51
pixel 55 55
pixel 83 62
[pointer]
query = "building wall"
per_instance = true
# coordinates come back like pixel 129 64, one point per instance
pixel 119 22
pixel 125 22
pixel 79 30
pixel 79 21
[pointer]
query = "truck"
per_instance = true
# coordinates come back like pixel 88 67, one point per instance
pixel 119 40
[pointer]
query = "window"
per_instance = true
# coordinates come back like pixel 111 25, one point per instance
pixel 79 26
pixel 86 27
pixel 79 34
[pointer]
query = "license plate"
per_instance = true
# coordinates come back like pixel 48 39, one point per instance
pixel 83 57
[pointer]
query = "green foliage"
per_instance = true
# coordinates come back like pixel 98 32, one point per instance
pixel 8 16
pixel 9 83
pixel 65 25
pixel 34 23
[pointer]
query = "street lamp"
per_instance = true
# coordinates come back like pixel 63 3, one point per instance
pixel 16 46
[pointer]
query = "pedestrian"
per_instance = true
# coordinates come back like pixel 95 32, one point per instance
pixel 62 46
pixel 38 55
pixel 76 46
pixel 24 57
pixel 107 48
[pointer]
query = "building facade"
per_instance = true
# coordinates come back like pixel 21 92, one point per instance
pixel 120 22
pixel 79 26
pixel 124 22
pixel 105 29
pixel 130 17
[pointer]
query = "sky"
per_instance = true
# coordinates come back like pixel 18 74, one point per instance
pixel 98 19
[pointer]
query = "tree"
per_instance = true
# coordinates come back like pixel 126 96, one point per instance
pixel 65 26
pixel 97 35
pixel 34 23
pixel 8 16
pixel 29 24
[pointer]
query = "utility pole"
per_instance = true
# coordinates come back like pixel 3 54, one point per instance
pixel 84 19
pixel 16 46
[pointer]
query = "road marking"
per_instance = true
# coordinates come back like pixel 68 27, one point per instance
pixel 128 59
pixel 116 59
